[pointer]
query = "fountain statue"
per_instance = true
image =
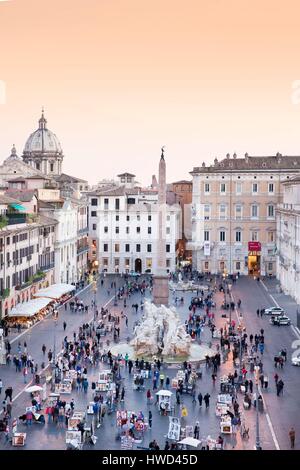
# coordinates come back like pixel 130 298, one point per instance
pixel 161 333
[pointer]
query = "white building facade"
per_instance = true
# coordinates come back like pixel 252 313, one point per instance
pixel 288 239
pixel 123 230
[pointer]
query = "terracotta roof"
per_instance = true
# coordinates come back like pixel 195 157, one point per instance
pixel 23 195
pixel 182 182
pixel 46 220
pixel 17 180
pixel 63 178
pixel 4 199
pixel 273 162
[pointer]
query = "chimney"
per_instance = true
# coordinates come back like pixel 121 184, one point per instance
pixel 228 156
pixel 234 155
pixel 215 161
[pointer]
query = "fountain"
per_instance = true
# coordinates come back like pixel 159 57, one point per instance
pixel 161 335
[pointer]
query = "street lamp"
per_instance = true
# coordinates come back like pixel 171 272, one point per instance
pixel 257 444
pixel 95 297
pixel 115 300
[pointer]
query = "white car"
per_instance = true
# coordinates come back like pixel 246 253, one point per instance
pixel 280 320
pixel 274 311
pixel 296 361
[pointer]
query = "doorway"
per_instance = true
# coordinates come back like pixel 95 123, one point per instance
pixel 138 265
pixel 254 263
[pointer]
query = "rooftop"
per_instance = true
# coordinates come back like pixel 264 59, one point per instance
pixel 248 163
pixel 23 195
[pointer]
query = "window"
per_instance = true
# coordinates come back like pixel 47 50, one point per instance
pixel 206 265
pixel 149 230
pixel 222 188
pixel 254 188
pixel 127 218
pixel 271 237
pixel 238 265
pixel 168 248
pixel 254 236
pixel 222 211
pixel 270 266
pixel 131 200
pixel 106 229
pixel 138 248
pixel 149 262
pixel 117 204
pixel 206 235
pixel 238 187
pixel 206 211
pixel 127 263
pixel 222 236
pixel 254 211
pixel 94 214
pixel 106 203
pixel 94 202
pixel 117 247
pixel 94 226
pixel 168 263
pixel 138 217
pixel 105 247
pixel 51 167
pixel 105 261
pixel 127 247
pixel 149 218
pixel 127 229
pixel 138 230
pixel 117 218
pixel 168 230
pixel 7 241
pixel 271 188
pixel 168 218
pixel 117 230
pixel 238 211
pixel 206 188
pixel 270 210
pixel 37 165
pixel 149 248
pixel 238 236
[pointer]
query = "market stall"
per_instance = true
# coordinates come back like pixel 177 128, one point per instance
pixel 130 421
pixel 64 387
pixel 165 401
pixel 179 381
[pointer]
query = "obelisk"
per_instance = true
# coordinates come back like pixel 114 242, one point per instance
pixel 160 278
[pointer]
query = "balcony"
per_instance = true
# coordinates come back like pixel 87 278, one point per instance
pixel 82 249
pixel 39 276
pixel 47 267
pixel 15 218
pixel 83 231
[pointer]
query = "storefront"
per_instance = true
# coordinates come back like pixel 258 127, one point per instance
pixel 254 258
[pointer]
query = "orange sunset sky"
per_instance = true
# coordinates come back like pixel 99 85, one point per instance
pixel 120 78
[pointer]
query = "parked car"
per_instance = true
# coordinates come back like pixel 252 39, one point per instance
pixel 280 320
pixel 296 361
pixel 274 311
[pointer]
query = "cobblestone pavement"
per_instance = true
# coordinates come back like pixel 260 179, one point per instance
pixel 280 412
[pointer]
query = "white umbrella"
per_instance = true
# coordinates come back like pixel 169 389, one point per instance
pixel 190 441
pixel 34 388
pixel 165 393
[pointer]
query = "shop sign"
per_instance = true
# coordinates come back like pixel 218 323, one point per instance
pixel 254 246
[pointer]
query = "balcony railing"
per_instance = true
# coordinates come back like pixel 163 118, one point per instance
pixel 82 249
pixel 14 218
pixel 36 278
pixel 47 267
pixel 82 231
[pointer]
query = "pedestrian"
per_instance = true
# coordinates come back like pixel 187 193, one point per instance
pixel 150 419
pixel 213 376
pixel 276 378
pixel 251 386
pixel 257 312
pixel 194 396
pixel 162 379
pixel 1 386
pixel 122 394
pixel 266 381
pixel 197 430
pixel 206 399
pixel 292 435
pixel 44 349
pixel 200 398
pixel 65 326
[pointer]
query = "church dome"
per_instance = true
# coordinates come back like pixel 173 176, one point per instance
pixel 42 141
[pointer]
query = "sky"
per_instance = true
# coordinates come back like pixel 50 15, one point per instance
pixel 121 78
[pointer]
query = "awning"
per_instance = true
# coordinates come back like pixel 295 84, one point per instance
pixel 18 207
pixel 55 291
pixel 28 309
